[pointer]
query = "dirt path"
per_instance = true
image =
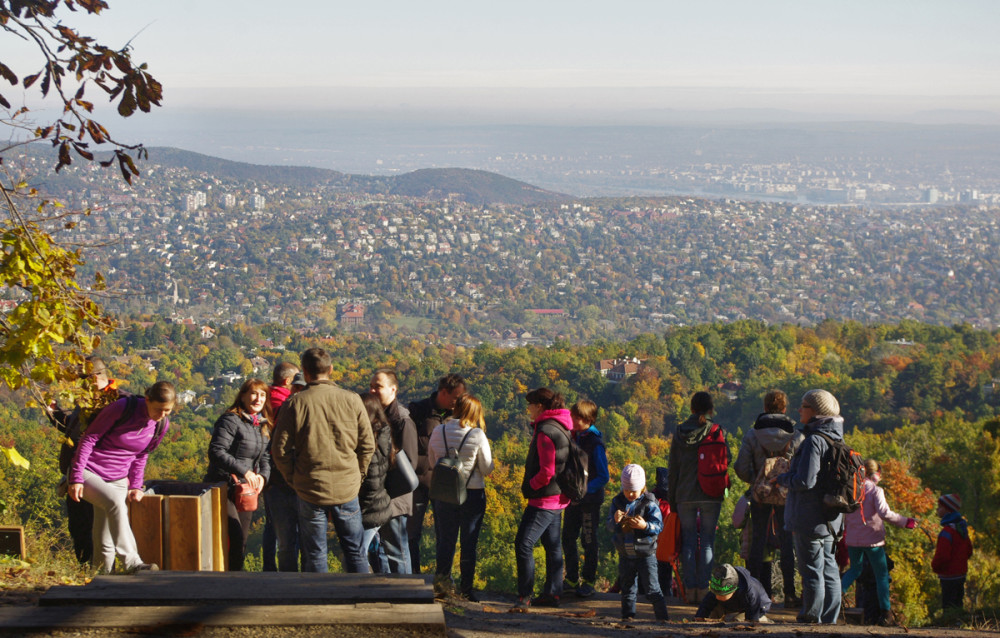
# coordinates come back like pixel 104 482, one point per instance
pixel 601 616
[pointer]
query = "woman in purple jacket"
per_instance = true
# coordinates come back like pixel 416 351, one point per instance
pixel 108 467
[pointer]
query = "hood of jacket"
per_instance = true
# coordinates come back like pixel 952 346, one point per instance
pixel 955 520
pixel 692 431
pixel 561 416
pixel 774 440
pixel 832 426
pixel 766 421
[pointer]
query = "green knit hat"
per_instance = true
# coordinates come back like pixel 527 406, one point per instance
pixel 724 579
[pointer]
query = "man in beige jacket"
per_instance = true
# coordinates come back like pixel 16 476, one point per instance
pixel 322 445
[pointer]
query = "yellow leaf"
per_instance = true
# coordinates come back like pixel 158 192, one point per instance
pixel 15 458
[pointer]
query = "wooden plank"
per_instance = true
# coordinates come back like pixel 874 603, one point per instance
pixel 146 520
pixel 183 533
pixel 207 519
pixel 218 515
pixel 241 589
pixel 427 617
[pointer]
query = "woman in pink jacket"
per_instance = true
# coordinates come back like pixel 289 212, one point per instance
pixel 109 466
pixel 864 534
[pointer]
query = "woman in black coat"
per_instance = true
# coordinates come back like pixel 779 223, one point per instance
pixel 239 447
pixel 373 498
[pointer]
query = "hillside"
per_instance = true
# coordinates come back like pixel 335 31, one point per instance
pixel 473 186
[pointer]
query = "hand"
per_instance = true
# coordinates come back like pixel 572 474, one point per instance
pixel 911 523
pixel 637 522
pixel 619 515
pixel 134 496
pixel 255 480
pixel 75 491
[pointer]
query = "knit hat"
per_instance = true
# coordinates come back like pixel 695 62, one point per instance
pixel 951 501
pixel 724 579
pixel 822 402
pixel 633 478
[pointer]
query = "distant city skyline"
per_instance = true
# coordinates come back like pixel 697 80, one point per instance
pixel 847 58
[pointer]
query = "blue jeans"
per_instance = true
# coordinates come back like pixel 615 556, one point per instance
pixel 698 541
pixel 312 534
pixel 635 570
pixel 394 548
pixel 538 524
pixel 820 579
pixel 581 522
pixel 875 556
pixel 283 512
pixel 449 522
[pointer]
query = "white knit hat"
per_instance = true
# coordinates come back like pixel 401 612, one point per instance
pixel 822 402
pixel 633 478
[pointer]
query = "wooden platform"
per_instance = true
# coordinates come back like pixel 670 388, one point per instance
pixel 159 600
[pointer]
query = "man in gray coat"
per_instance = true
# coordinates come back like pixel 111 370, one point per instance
pixel 815 529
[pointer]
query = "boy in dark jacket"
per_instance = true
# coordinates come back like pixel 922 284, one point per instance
pixel 581 519
pixel 732 590
pixel 635 521
pixel 951 556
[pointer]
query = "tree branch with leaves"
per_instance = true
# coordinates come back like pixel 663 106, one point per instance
pixel 56 322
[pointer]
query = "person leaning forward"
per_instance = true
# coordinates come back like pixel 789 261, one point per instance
pixel 322 446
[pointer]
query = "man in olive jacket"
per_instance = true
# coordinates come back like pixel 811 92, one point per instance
pixel 322 445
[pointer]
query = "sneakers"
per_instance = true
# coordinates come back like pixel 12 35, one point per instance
pixel 470 596
pixel 885 618
pixel 545 600
pixel 522 605
pixel 569 586
pixel 142 567
pixel 585 590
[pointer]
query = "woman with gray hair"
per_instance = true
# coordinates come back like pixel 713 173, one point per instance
pixel 813 527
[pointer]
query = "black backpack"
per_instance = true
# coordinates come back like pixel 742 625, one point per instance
pixel 573 479
pixel 843 478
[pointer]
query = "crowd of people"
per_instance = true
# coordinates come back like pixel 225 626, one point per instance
pixel 319 454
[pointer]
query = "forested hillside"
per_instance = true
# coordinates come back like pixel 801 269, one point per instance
pixel 922 399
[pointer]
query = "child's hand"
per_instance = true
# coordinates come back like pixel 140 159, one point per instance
pixel 637 522
pixel 619 515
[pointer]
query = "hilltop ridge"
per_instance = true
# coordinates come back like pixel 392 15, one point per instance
pixel 470 185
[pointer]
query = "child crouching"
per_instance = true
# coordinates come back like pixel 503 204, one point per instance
pixel 636 521
pixel 732 590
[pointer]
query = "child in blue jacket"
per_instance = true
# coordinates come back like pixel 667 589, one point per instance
pixel 581 520
pixel 635 521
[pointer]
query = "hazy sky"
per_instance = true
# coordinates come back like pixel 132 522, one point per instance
pixel 703 53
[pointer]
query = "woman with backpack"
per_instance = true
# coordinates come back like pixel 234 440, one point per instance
pixel 542 518
pixel 109 466
pixel 698 465
pixel 773 436
pixel 465 433
pixel 864 534
pixel 239 447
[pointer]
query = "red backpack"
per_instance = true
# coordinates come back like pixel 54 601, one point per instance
pixel 713 463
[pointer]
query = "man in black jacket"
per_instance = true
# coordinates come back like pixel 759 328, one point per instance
pixel 427 415
pixel 393 535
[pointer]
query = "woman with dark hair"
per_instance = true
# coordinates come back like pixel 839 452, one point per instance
pixel 239 446
pixel 698 511
pixel 547 456
pixel 373 499
pixel 109 466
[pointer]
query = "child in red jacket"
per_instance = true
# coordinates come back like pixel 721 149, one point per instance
pixel 951 557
